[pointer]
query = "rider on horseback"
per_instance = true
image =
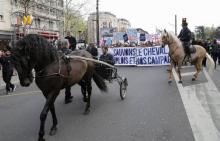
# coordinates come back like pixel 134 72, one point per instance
pixel 185 37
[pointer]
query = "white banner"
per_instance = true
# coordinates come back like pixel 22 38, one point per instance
pixel 140 56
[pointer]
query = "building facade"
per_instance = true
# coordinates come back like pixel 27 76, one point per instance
pixel 123 25
pixel 47 15
pixel 108 24
pixel 5 21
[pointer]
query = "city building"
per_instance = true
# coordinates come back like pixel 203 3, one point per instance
pixel 5 23
pixel 108 24
pixel 123 25
pixel 47 19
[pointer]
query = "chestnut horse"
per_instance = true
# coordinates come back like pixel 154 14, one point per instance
pixel 177 55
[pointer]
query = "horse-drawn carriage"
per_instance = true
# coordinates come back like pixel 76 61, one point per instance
pixel 110 73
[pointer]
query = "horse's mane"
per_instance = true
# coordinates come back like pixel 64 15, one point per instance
pixel 174 38
pixel 39 46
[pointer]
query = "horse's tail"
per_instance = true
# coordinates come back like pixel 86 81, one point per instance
pixel 211 63
pixel 100 82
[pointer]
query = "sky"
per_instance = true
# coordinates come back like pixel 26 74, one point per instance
pixel 152 14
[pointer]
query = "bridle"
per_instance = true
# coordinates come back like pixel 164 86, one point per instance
pixel 171 53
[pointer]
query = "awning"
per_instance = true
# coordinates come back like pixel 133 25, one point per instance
pixel 5 35
pixel 48 35
pixel 44 34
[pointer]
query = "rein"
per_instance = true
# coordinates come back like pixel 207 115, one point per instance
pixel 171 53
pixel 90 59
pixel 70 57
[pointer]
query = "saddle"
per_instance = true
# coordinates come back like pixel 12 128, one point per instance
pixel 192 49
pixel 188 48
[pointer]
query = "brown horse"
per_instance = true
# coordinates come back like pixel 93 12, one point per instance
pixel 53 72
pixel 177 55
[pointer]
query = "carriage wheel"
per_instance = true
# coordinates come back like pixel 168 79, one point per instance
pixel 123 88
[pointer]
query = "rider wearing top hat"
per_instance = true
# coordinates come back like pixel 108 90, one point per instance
pixel 185 36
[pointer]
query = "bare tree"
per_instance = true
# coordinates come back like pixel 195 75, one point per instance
pixel 74 13
pixel 26 5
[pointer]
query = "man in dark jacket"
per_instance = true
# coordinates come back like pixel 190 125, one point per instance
pixel 185 37
pixel 93 50
pixel 108 58
pixel 7 70
pixel 72 41
pixel 215 51
pixel 63 45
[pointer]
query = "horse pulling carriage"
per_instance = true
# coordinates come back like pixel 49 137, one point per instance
pixel 54 71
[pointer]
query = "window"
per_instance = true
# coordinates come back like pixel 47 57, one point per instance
pixel 104 24
pixel 60 3
pixel 37 23
pixel 110 24
pixel 51 25
pixel 1 11
pixel 1 17
pixel 53 3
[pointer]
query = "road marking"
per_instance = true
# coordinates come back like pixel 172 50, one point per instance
pixel 188 73
pixel 200 104
pixel 19 94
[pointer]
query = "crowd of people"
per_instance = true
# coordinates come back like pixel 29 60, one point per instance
pixel 135 44
pixel 68 44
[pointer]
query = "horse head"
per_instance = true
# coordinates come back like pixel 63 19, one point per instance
pixel 165 38
pixel 23 62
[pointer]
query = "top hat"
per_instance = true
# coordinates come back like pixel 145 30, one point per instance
pixel 184 21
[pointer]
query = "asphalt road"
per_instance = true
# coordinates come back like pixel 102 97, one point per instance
pixel 152 111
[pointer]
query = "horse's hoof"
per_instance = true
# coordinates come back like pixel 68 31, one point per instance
pixel 42 139
pixel 86 112
pixel 193 79
pixel 85 99
pixel 53 131
pixel 170 81
pixel 180 81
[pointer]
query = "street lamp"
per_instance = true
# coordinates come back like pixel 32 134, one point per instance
pixel 97 23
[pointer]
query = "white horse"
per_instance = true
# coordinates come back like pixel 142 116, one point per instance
pixel 177 55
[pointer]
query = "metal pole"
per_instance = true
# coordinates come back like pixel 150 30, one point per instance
pixel 176 25
pixel 97 23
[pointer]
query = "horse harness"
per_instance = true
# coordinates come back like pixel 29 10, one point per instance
pixel 67 63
